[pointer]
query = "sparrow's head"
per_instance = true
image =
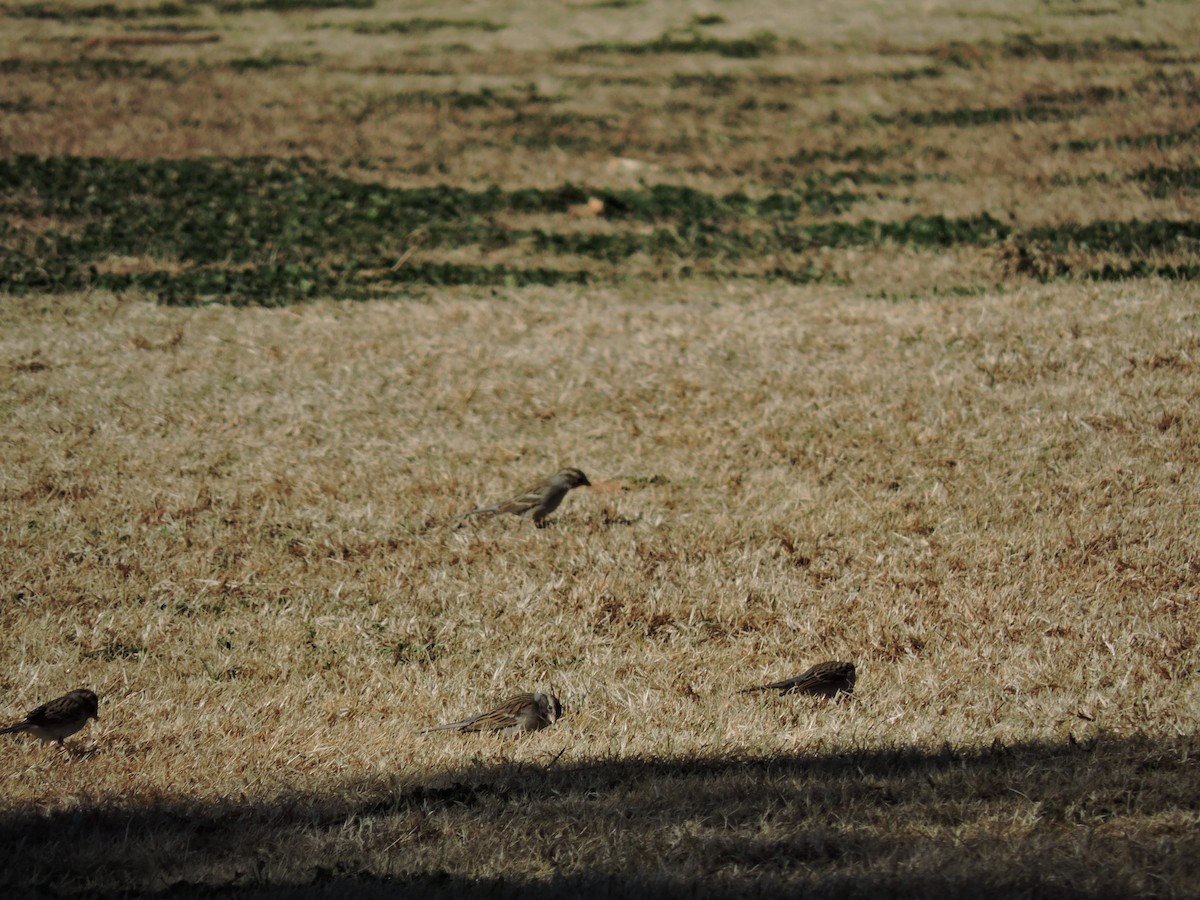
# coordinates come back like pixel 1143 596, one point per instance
pixel 571 478
pixel 849 674
pixel 549 706
pixel 88 702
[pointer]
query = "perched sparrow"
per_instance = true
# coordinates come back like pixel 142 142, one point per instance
pixel 524 712
pixel 539 500
pixel 60 718
pixel 826 679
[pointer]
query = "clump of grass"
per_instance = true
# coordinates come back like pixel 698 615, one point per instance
pixel 268 61
pixel 1026 46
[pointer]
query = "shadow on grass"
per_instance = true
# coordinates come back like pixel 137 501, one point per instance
pixel 1112 817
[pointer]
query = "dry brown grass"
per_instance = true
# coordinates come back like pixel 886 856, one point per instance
pixel 237 525
pixel 241 538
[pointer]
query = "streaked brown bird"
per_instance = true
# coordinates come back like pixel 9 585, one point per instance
pixel 825 679
pixel 524 712
pixel 538 500
pixel 60 718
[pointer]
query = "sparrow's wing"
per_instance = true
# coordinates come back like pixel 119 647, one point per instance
pixel 503 716
pixel 44 715
pixel 798 683
pixel 522 501
pixel 496 720
pixel 783 686
pixel 491 722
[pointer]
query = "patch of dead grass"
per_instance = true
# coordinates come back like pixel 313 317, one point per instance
pixel 242 539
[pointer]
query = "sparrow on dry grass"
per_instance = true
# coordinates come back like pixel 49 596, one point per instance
pixel 540 499
pixel 524 712
pixel 60 718
pixel 825 679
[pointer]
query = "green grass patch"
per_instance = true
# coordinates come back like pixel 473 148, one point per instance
pixel 1076 9
pixel 713 84
pixel 1089 178
pixel 912 74
pixel 761 43
pixel 1132 238
pixel 423 26
pixel 171 27
pixel 1165 181
pixel 900 75
pixel 708 83
pixel 537 130
pixel 1048 106
pixel 1089 95
pixel 976 117
pixel 484 98
pixel 270 61
pixel 863 154
pixel 285 6
pixel 1160 140
pixel 87 67
pixel 281 285
pixel 57 13
pixel 1028 47
pixel 272 231
pixel 268 230
pixel 1135 270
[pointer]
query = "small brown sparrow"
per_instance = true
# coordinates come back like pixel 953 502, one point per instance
pixel 524 712
pixel 60 718
pixel 825 679
pixel 540 499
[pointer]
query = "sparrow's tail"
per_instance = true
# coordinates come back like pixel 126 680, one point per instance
pixel 446 727
pixel 14 728
pixel 485 511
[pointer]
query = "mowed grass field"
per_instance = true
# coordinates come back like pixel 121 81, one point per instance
pixel 876 327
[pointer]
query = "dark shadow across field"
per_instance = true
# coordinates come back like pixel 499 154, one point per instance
pixel 1107 817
